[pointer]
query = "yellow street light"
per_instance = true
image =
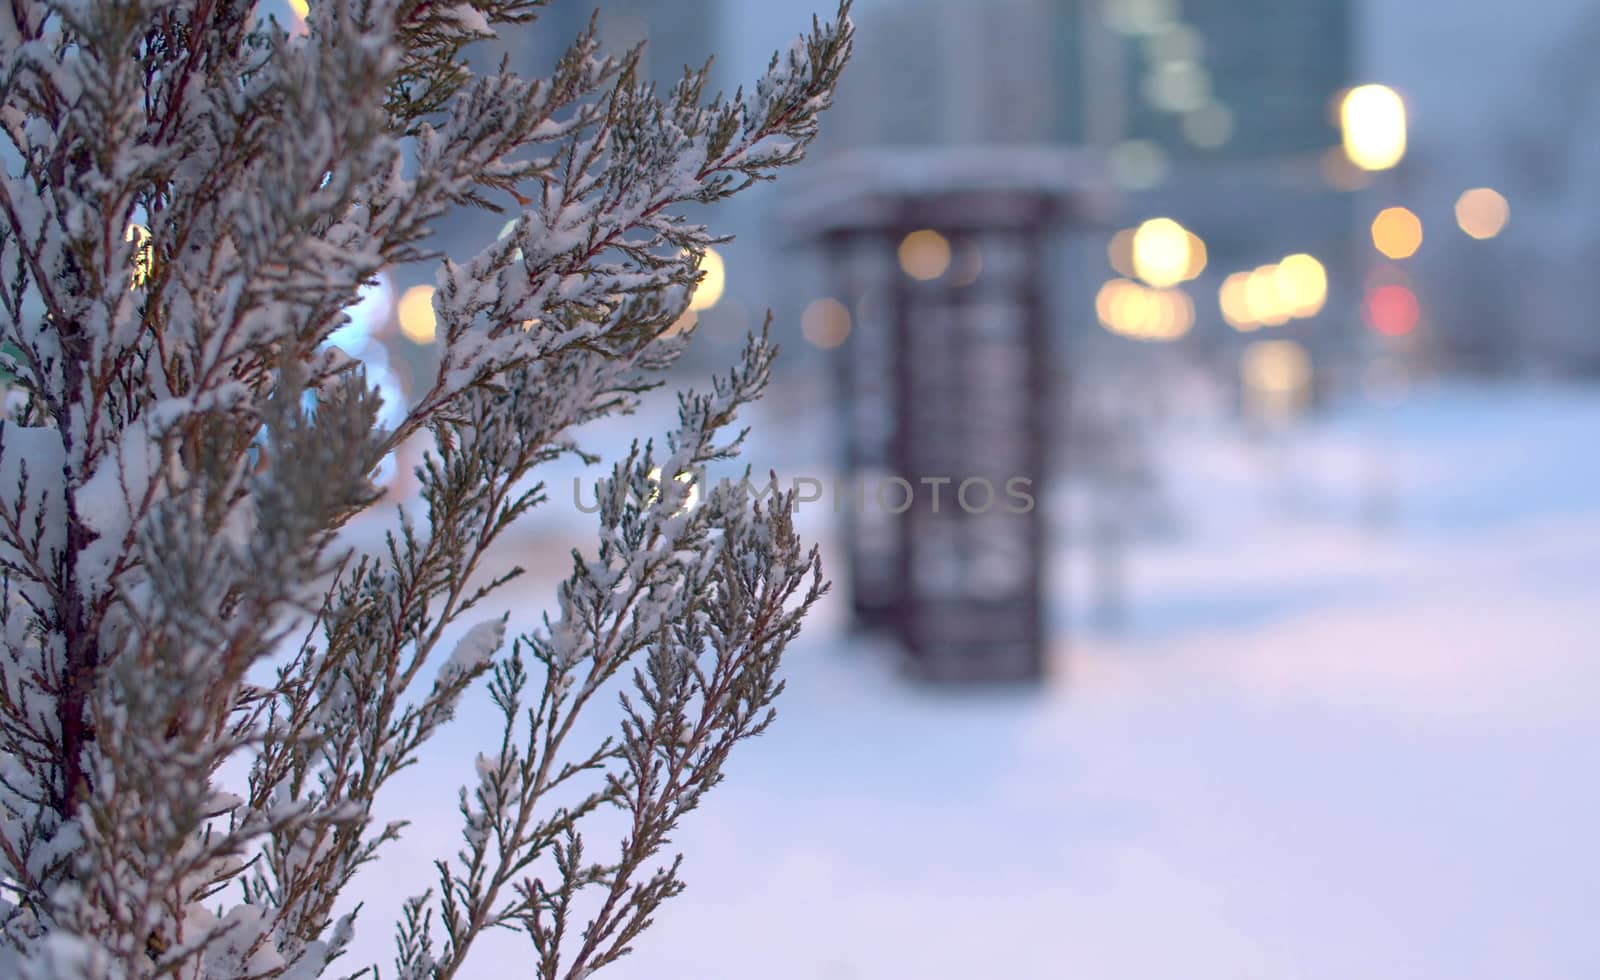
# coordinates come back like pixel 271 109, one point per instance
pixel 1261 297
pixel 1302 285
pixel 1105 301
pixel 1129 309
pixel 1234 300
pixel 415 311
pixel 1373 118
pixel 711 285
pixel 1179 316
pixel 1163 252
pixel 924 255
pixel 1397 233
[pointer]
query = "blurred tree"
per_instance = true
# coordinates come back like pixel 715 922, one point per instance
pixel 1547 139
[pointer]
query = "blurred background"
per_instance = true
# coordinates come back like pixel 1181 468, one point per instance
pixel 1285 312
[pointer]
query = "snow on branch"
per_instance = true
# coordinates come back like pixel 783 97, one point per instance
pixel 193 198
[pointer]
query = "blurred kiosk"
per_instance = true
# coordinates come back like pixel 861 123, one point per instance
pixel 941 256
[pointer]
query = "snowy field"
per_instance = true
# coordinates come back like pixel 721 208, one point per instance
pixel 1348 727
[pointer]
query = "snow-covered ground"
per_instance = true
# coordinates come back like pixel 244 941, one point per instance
pixel 1349 727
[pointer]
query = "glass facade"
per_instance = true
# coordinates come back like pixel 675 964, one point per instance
pixel 1271 66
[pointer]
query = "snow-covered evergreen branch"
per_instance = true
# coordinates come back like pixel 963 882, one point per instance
pixel 192 199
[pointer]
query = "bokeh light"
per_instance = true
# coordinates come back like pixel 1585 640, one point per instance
pixel 1275 365
pixel 689 502
pixel 1482 212
pixel 1163 252
pixel 1177 87
pixel 143 254
pixel 1302 285
pixel 417 319
pixel 713 279
pixel 1261 297
pixel 1373 118
pixel 1393 310
pixel 1209 126
pixel 1140 17
pixel 1120 253
pixel 1197 257
pixel 1179 316
pixel 1397 233
pixel 1137 165
pixel 1137 312
pixel 1272 295
pixel 683 324
pixel 1174 42
pixel 1276 377
pixel 1105 301
pixel 924 255
pixel 1234 300
pixel 825 322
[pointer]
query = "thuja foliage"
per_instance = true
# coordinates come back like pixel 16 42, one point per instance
pixel 192 197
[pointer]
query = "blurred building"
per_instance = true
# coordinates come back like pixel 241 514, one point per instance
pixel 1213 112
pixel 1502 97
pixel 1230 126
pixel 1219 113
pixel 547 40
pixel 936 72
pixel 1233 80
pixel 679 33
